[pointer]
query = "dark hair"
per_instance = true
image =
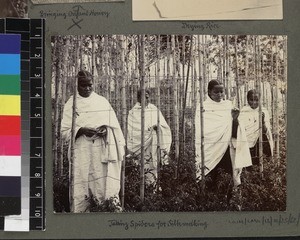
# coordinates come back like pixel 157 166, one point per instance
pixel 82 74
pixel 139 94
pixel 213 83
pixel 251 93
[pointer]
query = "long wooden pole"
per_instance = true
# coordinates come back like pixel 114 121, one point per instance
pixel 124 112
pixel 185 95
pixel 276 104
pixel 175 105
pixel 158 110
pixel 227 89
pixel 259 73
pixel 56 134
pixel 142 84
pixel 237 73
pixel 63 100
pixel 74 115
pixel 201 91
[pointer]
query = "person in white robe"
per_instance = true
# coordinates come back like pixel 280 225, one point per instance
pixel 152 131
pixel 224 140
pixel 250 118
pixel 95 169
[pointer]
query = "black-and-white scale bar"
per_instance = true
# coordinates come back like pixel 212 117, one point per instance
pixel 37 210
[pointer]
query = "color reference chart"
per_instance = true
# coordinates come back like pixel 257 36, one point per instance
pixel 32 165
pixel 10 125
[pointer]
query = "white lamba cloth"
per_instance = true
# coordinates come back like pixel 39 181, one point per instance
pixel 96 167
pixel 250 119
pixel 217 130
pixel 152 116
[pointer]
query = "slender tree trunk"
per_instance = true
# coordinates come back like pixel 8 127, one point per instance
pixel 63 100
pixel 246 71
pixel 168 82
pixel 93 57
pixel 227 89
pixel 124 111
pixel 74 114
pixel 158 110
pixel 175 106
pixel 284 96
pixel 237 73
pixel 259 73
pixel 185 95
pixel 276 105
pixel 201 88
pixel 57 104
pixel 142 83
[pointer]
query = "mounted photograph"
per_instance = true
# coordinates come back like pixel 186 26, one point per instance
pixel 71 1
pixel 169 123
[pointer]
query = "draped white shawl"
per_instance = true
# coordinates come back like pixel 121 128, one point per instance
pixel 151 119
pixel 250 119
pixel 217 122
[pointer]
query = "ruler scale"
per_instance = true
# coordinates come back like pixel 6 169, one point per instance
pixel 37 209
pixel 32 117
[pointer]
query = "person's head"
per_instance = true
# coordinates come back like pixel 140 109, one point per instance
pixel 252 98
pixel 215 90
pixel 147 96
pixel 85 83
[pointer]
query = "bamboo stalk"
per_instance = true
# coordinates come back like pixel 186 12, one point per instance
pixel 93 57
pixel 276 105
pixel 237 73
pixel 168 95
pixel 201 114
pixel 185 96
pixel 183 80
pixel 246 71
pixel 142 83
pixel 72 156
pixel 124 112
pixel 204 68
pixel 158 110
pixel 272 87
pixel 56 106
pixel 227 67
pixel 175 105
pixel 285 76
pixel 260 154
pixel 63 100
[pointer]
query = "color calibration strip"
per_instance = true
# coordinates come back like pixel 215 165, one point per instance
pixel 10 125
pixel 21 27
pixel 32 124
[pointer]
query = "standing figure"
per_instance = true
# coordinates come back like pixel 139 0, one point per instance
pixel 250 118
pixel 95 169
pixel 152 130
pixel 224 140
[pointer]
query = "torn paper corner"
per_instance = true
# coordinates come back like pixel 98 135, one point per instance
pixel 71 1
pixel 207 9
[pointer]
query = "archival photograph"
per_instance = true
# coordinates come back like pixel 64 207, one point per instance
pixel 72 1
pixel 169 123
pixel 14 8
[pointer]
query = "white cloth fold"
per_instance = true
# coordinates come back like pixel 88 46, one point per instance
pixel 250 118
pixel 217 122
pixel 96 167
pixel 152 114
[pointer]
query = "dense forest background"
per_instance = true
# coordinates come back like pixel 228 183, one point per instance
pixel 176 69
